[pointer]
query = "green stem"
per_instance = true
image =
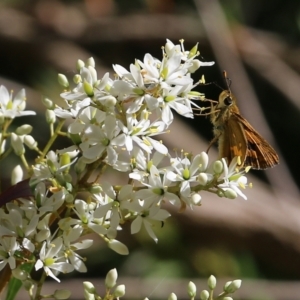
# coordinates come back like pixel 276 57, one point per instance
pixel 52 139
pixel 39 286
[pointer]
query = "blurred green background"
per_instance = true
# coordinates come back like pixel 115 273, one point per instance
pixel 258 43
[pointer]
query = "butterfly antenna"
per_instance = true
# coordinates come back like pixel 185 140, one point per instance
pixel 227 80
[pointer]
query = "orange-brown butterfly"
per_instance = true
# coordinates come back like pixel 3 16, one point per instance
pixel 236 137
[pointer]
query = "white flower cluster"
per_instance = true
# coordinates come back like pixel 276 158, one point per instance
pixel 112 123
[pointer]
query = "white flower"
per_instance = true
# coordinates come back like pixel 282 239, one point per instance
pixel 147 214
pixel 110 208
pixel 140 132
pixel 186 172
pixel 141 164
pixel 99 139
pixel 157 189
pixel 233 179
pixel 11 108
pixel 69 237
pixel 86 219
pixel 8 246
pixel 51 258
pixel 51 168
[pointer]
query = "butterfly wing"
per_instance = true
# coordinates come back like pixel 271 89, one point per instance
pixel 235 140
pixel 259 153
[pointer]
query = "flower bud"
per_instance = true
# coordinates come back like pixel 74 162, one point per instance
pixel 212 282
pixel 230 194
pixel 24 129
pixel 30 142
pixel 62 294
pixel 202 178
pixel 89 287
pixel 77 79
pixel 80 64
pixel 203 161
pixel 218 167
pixel 17 144
pixel 90 62
pixel 232 286
pixel 16 175
pixel 172 297
pixel 63 81
pixel 192 290
pixel 95 189
pixel 118 247
pixel 111 278
pixel 50 116
pixel 47 102
pixel 119 291
pixel 19 274
pixel 196 199
pixel 204 295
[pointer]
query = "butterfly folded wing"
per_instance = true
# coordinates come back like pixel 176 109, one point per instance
pixel 236 139
pixel 259 154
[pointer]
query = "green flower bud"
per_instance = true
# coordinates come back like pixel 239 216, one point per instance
pixel 77 79
pixel 80 64
pixel 230 194
pixel 232 286
pixel 62 294
pixel 218 167
pixel 172 297
pixel 17 144
pixel 95 189
pixel 50 116
pixel 24 129
pixel 30 142
pixel 212 282
pixel 47 103
pixel 19 274
pixel 111 278
pixel 63 80
pixel 119 291
pixel 204 295
pixel 89 287
pixel 90 62
pixel 192 290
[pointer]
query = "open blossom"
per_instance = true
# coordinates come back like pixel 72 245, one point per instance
pixel 52 260
pixel 13 107
pixel 233 179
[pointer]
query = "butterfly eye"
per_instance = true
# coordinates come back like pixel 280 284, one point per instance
pixel 228 101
